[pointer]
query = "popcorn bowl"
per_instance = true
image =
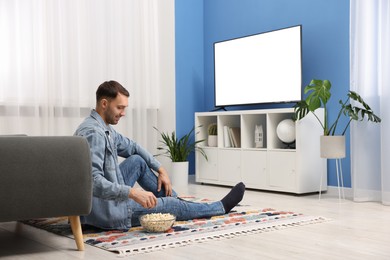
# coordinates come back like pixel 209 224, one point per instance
pixel 157 222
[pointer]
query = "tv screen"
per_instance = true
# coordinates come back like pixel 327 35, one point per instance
pixel 260 68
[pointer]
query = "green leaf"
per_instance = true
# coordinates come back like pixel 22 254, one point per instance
pixel 301 109
pixel 178 150
pixel 318 94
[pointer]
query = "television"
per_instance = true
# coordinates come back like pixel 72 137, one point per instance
pixel 260 68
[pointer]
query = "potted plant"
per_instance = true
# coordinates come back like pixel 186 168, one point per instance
pixel 212 138
pixel 318 95
pixel 178 151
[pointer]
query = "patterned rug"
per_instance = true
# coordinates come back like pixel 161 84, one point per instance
pixel 136 240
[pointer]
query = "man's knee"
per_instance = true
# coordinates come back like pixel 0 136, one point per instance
pixel 135 161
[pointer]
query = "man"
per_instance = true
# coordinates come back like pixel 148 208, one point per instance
pixel 115 203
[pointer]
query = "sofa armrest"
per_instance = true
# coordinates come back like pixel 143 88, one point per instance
pixel 44 177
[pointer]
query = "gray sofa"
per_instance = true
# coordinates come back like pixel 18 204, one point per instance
pixel 45 177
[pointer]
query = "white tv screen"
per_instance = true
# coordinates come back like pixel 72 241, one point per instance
pixel 261 68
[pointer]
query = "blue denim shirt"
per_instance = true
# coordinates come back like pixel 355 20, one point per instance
pixel 110 194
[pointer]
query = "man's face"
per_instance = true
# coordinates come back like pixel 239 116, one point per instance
pixel 115 109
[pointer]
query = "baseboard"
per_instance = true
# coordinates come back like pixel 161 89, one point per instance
pixel 333 191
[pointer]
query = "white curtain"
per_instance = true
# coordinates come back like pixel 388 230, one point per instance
pixel 55 53
pixel 370 76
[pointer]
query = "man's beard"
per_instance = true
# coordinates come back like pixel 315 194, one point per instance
pixel 111 119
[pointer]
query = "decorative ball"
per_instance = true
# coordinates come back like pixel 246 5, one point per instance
pixel 286 131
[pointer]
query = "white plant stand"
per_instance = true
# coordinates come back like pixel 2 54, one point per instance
pixel 333 147
pixel 339 175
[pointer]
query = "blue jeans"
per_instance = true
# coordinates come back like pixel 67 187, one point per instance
pixel 134 169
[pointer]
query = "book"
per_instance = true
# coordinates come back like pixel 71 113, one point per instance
pixel 231 137
pixel 236 136
pixel 226 138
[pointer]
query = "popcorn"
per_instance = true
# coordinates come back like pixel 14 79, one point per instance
pixel 157 222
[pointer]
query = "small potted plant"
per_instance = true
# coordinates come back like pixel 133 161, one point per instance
pixel 178 151
pixel 318 96
pixel 213 137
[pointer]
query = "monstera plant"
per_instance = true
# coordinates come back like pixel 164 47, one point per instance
pixel 319 93
pixel 332 142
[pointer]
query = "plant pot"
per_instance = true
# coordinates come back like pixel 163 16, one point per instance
pixel 332 147
pixel 179 174
pixel 212 140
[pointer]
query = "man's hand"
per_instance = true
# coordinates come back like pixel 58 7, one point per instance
pixel 145 198
pixel 164 181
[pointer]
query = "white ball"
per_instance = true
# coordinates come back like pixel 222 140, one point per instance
pixel 286 131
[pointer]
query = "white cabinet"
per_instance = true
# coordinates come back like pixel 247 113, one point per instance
pixel 208 169
pixel 254 169
pixel 283 169
pixel 276 166
pixel 229 166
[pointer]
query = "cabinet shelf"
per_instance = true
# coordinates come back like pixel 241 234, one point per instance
pixel 273 166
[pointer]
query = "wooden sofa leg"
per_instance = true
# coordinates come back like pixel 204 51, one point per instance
pixel 77 231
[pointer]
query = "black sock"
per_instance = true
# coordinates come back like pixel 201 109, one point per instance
pixel 233 197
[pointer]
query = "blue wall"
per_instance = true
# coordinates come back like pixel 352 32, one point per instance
pixel 189 66
pixel 325 48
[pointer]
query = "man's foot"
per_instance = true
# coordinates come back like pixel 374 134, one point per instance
pixel 233 197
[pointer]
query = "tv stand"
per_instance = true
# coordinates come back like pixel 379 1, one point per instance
pixel 276 166
pixel 219 108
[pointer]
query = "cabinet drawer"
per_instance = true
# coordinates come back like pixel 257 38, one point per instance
pixel 254 169
pixel 229 168
pixel 282 168
pixel 207 169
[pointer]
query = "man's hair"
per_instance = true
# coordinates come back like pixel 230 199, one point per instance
pixel 110 90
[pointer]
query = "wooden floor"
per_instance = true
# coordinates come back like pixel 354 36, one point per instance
pixel 356 231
